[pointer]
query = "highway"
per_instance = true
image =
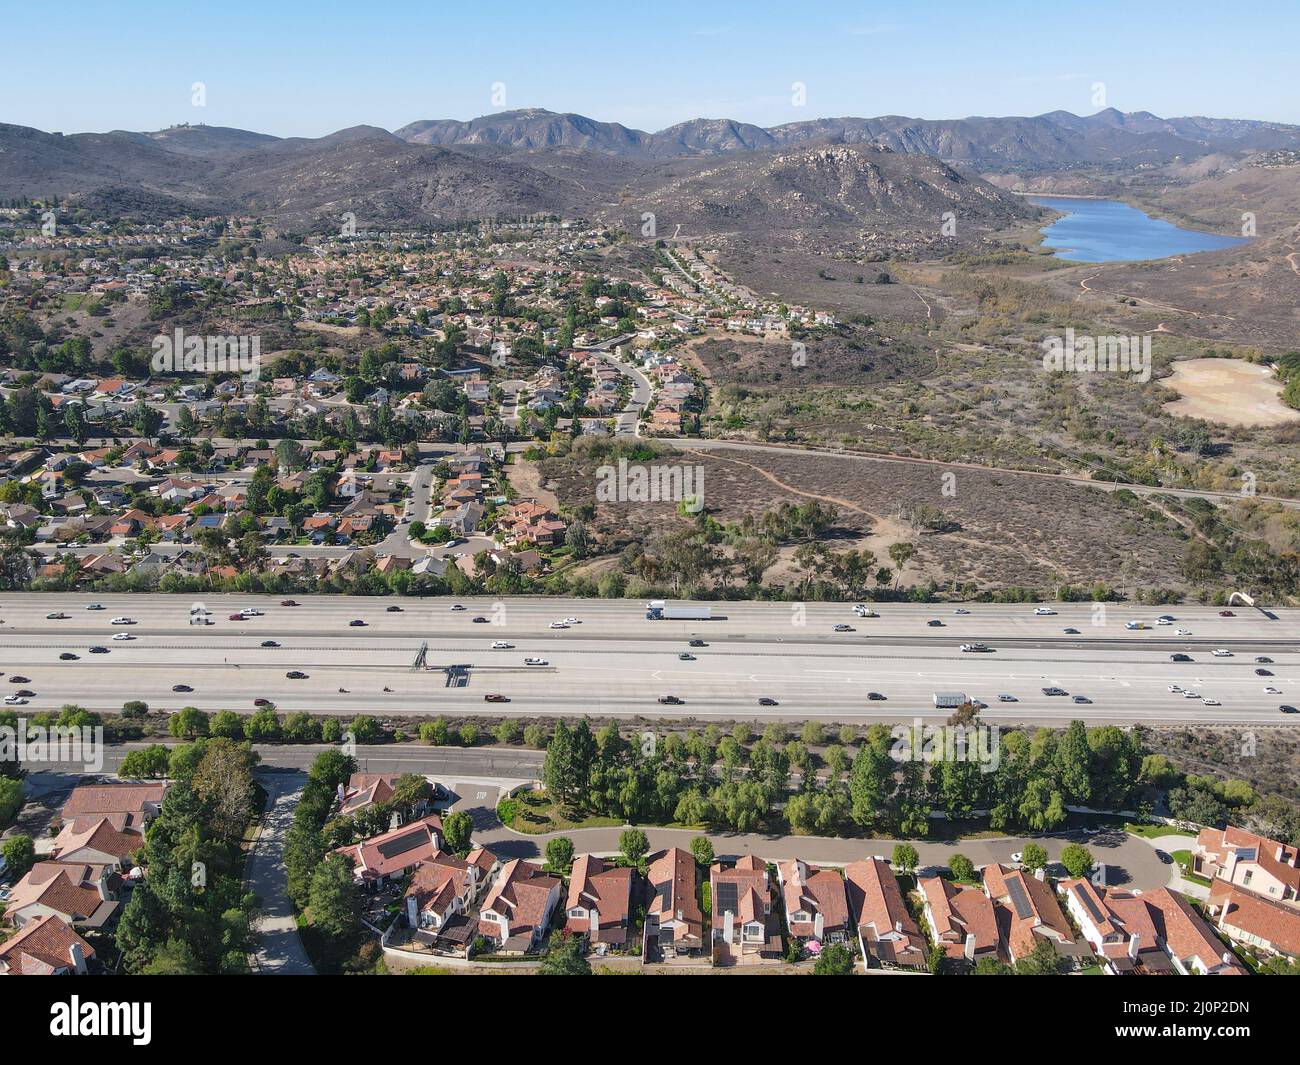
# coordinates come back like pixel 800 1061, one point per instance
pixel 615 662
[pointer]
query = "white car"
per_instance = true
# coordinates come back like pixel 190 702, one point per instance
pixel 501 645
pixel 1270 690
pixel 864 611
pixel 1222 652
pixel 94 606
pixel 559 625
pixel 961 610
pixel 15 700
pixel 1163 621
pixel 121 636
pixel 249 612
pixel 572 621
pixel 536 662
pixel 1211 702
pixel 1043 611
pixel 1175 689
pixel 1017 857
pixel 1191 695
pixel 1183 632
pixel 122 621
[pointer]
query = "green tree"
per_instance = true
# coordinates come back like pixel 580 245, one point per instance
pixel 1041 961
pixel 332 897
pixel 151 761
pixel 565 958
pixel 905 858
pixel 1077 859
pixel 457 829
pixel 834 960
pixel 634 845
pixel 19 853
pixel 188 723
pixel 702 850
pixel 559 854
pixel 962 867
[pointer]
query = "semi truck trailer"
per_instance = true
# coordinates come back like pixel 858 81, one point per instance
pixel 659 610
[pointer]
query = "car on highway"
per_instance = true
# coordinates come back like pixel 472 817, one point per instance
pixel 199 611
pixel 961 610
pixel 559 624
pixel 1222 652
pixel 1180 657
pixel 1262 672
pixel 252 612
pixel 288 602
pixel 1270 690
pixel 181 688
pixel 19 679
pixel 843 628
pixel 1043 611
pixel 1211 702
pixel 1285 708
pixel 976 648
pixel 686 656
pixel 58 615
pixel 392 609
pixel 237 617
pixel 122 637
pixel 572 621
pixel 269 643
pixel 875 697
pixel 1055 691
pixel 495 697
pixel 1226 614
pixel 263 702
pixel 457 606
pixel 15 700
pixel 1071 632
pixel 698 643
pixel 68 656
pixel 356 623
pixel 94 606
pixel 122 621
pixel 935 623
pixel 536 662
pixel 1191 695
pixel 1080 699
pixel 99 650
pixel 1166 619
pixel 768 701
pixel 1183 632
pixel 1005 698
pixel 295 674
pixel 864 611
pixel 1175 689
pixel 1263 660
pixel 501 645
pixel 25 693
pixel 671 700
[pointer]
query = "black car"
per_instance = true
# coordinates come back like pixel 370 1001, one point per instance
pixel 356 623
pixel 1263 672
pixel 480 620
pixel 935 623
pixel 1055 691
pixel 393 609
pixel 99 650
pixel 16 679
pixel 671 700
pixel 1263 660
pixel 765 701
pixel 875 697
pixel 296 674
pixel 1288 709
pixel 25 693
pixel 68 656
pixel 698 643
pixel 1180 658
pixel 269 643
pixel 181 688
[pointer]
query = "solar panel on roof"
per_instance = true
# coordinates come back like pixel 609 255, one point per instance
pixel 402 844
pixel 1247 854
pixel 727 898
pixel 1089 905
pixel 1019 900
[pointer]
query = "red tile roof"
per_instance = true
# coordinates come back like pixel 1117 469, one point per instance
pixel 42 948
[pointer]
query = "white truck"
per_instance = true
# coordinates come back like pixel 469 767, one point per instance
pixel 660 610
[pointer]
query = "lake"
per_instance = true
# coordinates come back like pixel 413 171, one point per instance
pixel 1103 231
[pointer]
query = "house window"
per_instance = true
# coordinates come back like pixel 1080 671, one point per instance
pixel 577 911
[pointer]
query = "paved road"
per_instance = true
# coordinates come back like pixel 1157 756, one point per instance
pixel 279 950
pixel 614 661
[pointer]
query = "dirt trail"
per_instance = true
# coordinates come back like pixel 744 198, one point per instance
pixel 835 501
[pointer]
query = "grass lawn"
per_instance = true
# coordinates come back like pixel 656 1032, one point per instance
pixel 1184 860
pixel 534 813
pixel 1156 831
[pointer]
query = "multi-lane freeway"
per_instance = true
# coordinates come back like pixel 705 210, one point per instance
pixel 613 661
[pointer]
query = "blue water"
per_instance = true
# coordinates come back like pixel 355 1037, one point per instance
pixel 1103 231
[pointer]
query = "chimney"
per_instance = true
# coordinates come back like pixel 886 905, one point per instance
pixel 819 925
pixel 969 950
pixel 594 921
pixel 898 926
pixel 77 957
pixel 1040 874
pixel 342 793
pixel 728 925
pixel 1134 944
pixel 412 913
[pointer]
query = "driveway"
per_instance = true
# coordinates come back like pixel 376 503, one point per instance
pixel 279 951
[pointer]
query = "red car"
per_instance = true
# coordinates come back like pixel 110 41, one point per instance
pixel 262 702
pixel 495 698
pixel 287 602
pixel 1226 614
pixel 238 617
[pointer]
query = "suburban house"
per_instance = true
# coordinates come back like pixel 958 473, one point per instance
pixel 391 855
pixel 75 893
pixel 441 892
pixel 106 840
pixel 518 907
pixel 673 918
pixel 1119 926
pixel 367 789
pixel 599 901
pixel 140 803
pixel 1190 943
pixel 744 926
pixel 1263 865
pixel 886 931
pixel 1255 920
pixel 961 919
pixel 45 946
pixel 816 904
pixel 1027 912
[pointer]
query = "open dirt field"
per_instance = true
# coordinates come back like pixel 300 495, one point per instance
pixel 1228 392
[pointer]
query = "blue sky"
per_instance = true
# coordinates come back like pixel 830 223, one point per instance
pixel 298 69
